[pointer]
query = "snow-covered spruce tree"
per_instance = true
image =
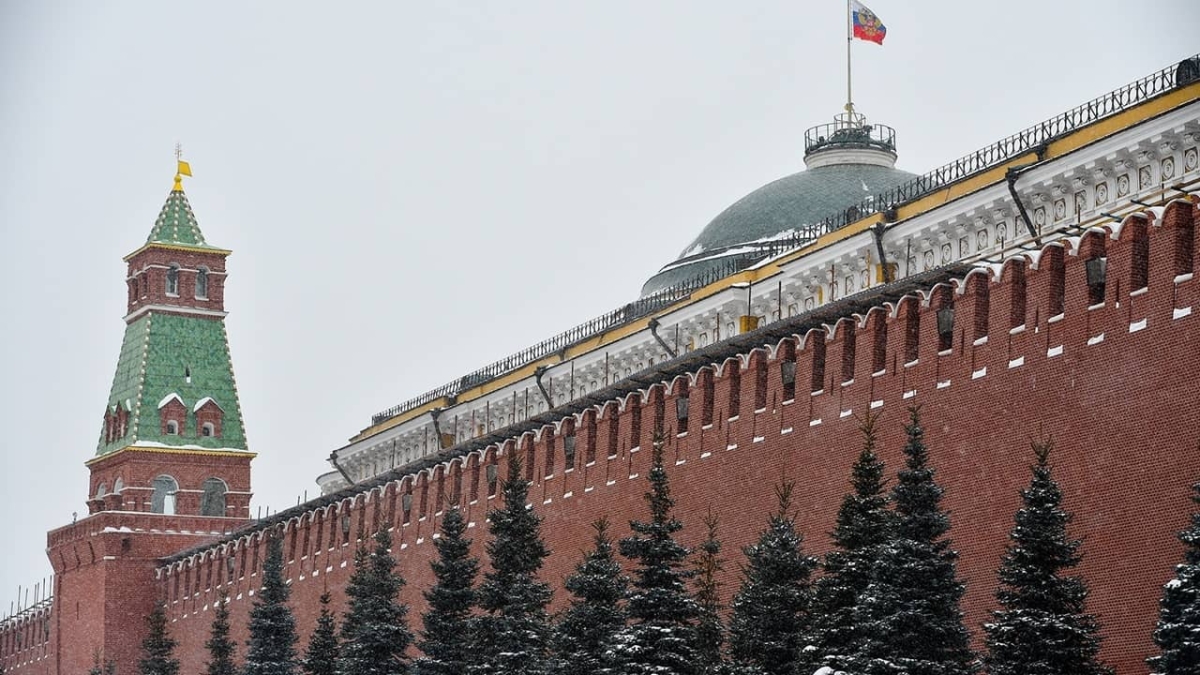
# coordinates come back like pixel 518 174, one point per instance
pixel 446 641
pixel 1042 628
pixel 661 638
pixel 1178 631
pixel 220 646
pixel 771 621
pixel 862 528
pixel 710 629
pixel 585 632
pixel 158 649
pixel 512 635
pixel 913 623
pixel 321 658
pixel 271 649
pixel 375 634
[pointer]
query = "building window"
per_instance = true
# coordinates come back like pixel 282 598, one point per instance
pixel 212 502
pixel 101 490
pixel 787 375
pixel 569 451
pixel 163 499
pixel 202 283
pixel 493 478
pixel 207 429
pixel 1139 268
pixel 1097 273
pixel 172 428
pixel 849 345
pixel 912 332
pixel 818 368
pixel 173 280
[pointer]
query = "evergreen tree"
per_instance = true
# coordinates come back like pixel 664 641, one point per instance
pixel 1178 631
pixel 1042 628
pixel 220 646
pixel 271 649
pixel 771 621
pixel 109 667
pixel 710 631
pixel 446 640
pixel 862 529
pixel 375 634
pixel 662 636
pixel 512 636
pixel 158 648
pixel 322 655
pixel 584 634
pixel 913 623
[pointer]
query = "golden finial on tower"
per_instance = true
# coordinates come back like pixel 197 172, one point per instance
pixel 182 168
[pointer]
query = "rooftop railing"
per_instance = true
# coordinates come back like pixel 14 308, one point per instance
pixel 1020 143
pixel 618 317
pixel 841 135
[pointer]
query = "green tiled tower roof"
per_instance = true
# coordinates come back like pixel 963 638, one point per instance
pixel 165 354
pixel 176 224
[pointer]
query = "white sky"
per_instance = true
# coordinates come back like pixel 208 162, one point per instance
pixel 412 190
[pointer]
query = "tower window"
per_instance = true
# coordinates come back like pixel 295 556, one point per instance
pixel 212 502
pixel 172 428
pixel 207 429
pixel 173 280
pixel 202 283
pixel 163 499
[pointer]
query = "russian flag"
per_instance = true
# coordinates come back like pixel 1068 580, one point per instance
pixel 867 26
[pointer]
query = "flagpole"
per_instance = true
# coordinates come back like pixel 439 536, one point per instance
pixel 849 41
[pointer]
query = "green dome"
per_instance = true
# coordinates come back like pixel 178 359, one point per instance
pixel 849 161
pixel 773 212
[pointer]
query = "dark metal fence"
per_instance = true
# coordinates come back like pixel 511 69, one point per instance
pixel 839 134
pixel 997 153
pixel 618 317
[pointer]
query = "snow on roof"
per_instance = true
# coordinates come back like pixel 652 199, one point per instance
pixel 201 402
pixel 153 445
pixel 167 399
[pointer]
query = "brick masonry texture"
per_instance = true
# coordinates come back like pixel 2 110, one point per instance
pixel 1032 355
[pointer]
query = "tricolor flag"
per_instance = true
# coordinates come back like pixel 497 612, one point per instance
pixel 867 26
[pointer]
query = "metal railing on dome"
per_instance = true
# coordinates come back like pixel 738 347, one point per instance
pixel 997 153
pixel 846 135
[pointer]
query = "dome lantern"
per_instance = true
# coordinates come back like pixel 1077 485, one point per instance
pixel 849 139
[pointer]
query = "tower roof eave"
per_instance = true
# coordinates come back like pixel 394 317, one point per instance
pixel 177 247
pixel 169 450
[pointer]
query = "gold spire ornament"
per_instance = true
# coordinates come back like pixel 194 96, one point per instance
pixel 182 168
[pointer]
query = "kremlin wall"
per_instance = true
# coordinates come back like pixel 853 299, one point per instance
pixel 1083 327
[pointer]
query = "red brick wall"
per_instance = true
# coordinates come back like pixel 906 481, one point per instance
pixel 150 265
pixel 1121 410
pixel 138 468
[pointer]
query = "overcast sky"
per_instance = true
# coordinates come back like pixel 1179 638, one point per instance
pixel 412 190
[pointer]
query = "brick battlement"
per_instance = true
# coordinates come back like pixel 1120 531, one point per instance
pixel 25 639
pixel 99 531
pixel 1032 349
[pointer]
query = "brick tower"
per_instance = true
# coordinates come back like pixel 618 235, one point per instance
pixel 172 469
